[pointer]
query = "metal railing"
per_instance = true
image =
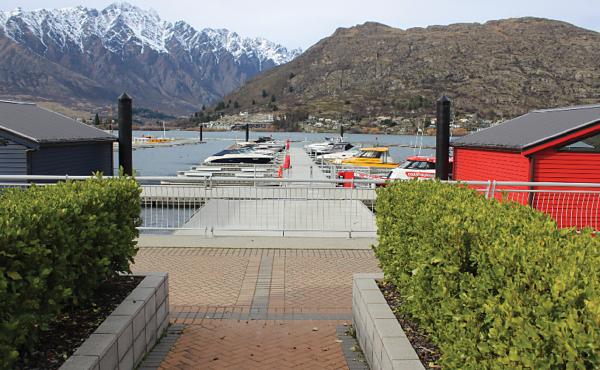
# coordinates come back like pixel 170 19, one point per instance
pixel 570 204
pixel 282 206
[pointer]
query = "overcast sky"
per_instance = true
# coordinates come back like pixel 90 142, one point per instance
pixel 302 23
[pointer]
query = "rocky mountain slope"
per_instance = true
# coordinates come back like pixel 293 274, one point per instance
pixel 91 55
pixel 497 69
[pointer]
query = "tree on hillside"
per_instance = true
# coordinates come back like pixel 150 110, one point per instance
pixel 220 106
pixel 253 102
pixel 96 120
pixel 273 99
pixel 265 93
pixel 236 105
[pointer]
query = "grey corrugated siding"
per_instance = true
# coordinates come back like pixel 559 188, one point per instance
pixel 75 160
pixel 13 159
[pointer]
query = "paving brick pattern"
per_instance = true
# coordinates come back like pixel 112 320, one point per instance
pixel 257 308
pixel 257 345
pixel 197 279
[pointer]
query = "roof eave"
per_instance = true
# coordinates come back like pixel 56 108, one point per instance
pixel 537 146
pixel 77 141
pixel 488 147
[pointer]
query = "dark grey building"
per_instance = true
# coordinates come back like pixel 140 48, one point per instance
pixel 36 141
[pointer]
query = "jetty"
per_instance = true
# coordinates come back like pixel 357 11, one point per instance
pixel 305 202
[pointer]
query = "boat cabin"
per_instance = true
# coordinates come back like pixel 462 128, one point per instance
pixel 372 157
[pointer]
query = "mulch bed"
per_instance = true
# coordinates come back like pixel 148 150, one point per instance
pixel 428 353
pixel 74 326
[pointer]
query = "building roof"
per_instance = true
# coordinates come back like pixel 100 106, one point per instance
pixel 533 128
pixel 42 126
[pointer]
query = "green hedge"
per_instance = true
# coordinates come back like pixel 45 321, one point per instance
pixel 57 244
pixel 496 285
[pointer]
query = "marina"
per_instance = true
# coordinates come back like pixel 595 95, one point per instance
pixel 239 199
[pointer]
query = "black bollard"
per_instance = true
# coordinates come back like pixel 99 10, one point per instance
pixel 247 132
pixel 341 131
pixel 201 126
pixel 125 145
pixel 442 142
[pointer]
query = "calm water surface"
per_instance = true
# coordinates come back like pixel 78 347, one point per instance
pixel 166 161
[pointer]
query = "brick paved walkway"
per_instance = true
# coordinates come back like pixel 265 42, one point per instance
pixel 257 308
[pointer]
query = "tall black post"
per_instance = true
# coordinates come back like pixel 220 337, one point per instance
pixel 125 122
pixel 341 131
pixel 247 132
pixel 201 127
pixel 442 142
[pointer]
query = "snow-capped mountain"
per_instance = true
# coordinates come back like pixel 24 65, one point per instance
pixel 164 65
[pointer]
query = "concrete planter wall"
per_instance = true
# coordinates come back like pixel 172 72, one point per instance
pixel 124 338
pixel 378 332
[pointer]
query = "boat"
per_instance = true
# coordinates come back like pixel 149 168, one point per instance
pixel 331 145
pixel 337 157
pixel 417 167
pixel 376 157
pixel 246 156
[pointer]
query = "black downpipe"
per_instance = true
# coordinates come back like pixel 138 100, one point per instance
pixel 125 123
pixel 442 142
pixel 247 132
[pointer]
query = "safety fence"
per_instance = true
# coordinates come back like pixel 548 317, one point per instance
pixel 292 207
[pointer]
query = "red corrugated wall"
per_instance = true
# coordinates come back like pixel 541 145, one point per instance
pixel 555 166
pixel 570 208
pixel 483 165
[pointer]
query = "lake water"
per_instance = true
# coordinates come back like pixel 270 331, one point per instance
pixel 166 161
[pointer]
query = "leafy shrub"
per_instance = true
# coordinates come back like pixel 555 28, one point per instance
pixel 58 243
pixel 496 284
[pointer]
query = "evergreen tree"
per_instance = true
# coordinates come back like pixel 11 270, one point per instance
pixel 96 120
pixel 220 106
pixel 236 105
pixel 273 98
pixel 265 93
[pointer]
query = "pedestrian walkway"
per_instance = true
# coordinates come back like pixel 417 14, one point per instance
pixel 257 308
pixel 303 167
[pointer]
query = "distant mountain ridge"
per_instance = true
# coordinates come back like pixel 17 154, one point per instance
pixel 498 69
pixel 166 66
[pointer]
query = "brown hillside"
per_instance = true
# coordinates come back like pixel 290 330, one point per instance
pixel 500 68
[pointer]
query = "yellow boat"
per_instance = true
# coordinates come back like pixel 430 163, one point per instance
pixel 372 157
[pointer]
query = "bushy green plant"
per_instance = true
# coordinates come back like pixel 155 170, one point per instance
pixel 496 284
pixel 58 243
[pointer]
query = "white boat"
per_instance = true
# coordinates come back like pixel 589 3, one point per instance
pixel 337 157
pixel 329 146
pixel 240 156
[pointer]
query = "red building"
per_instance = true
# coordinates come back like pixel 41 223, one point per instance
pixel 552 145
